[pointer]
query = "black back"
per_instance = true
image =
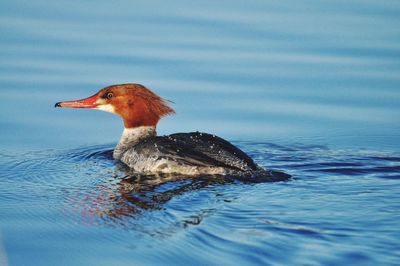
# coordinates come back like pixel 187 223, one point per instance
pixel 197 149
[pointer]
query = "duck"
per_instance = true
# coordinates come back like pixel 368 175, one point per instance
pixel 143 151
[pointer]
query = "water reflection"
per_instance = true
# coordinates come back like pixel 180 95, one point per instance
pixel 134 192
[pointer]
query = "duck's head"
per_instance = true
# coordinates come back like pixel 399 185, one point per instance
pixel 136 104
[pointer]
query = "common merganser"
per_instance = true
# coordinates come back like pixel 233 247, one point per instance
pixel 183 153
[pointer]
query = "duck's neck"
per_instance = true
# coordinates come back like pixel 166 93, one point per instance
pixel 132 136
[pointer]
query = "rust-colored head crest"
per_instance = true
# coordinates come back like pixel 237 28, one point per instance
pixel 136 104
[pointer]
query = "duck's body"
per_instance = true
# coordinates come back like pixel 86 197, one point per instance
pixel 183 153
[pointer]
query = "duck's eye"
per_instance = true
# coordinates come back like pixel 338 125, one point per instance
pixel 108 95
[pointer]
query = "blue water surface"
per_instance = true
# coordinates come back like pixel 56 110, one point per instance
pixel 311 88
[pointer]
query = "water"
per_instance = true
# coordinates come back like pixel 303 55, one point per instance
pixel 310 88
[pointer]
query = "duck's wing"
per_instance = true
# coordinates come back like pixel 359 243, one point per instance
pixel 197 149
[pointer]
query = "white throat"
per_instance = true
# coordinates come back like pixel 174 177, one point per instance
pixel 132 136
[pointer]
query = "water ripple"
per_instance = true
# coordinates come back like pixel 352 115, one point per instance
pixel 85 188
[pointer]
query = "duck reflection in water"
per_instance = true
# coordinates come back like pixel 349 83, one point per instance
pixel 135 192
